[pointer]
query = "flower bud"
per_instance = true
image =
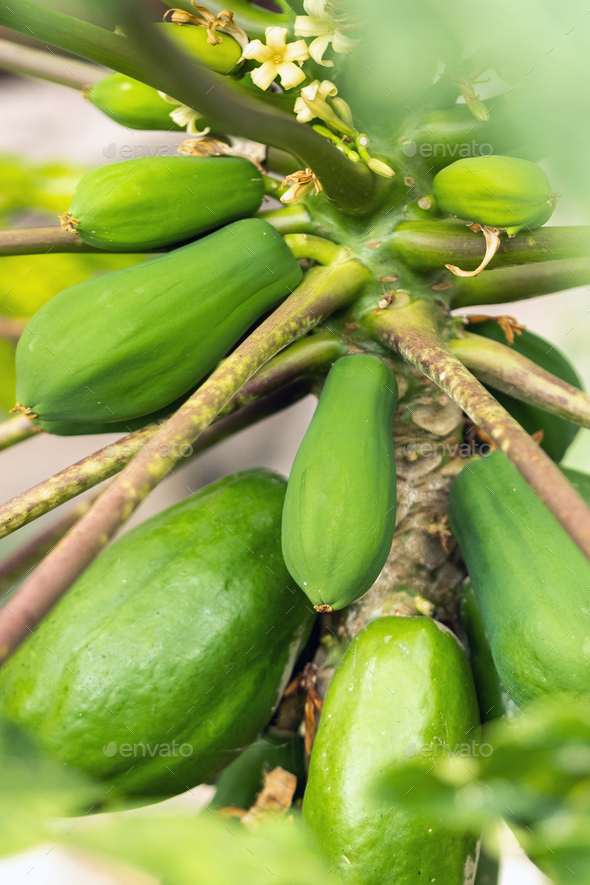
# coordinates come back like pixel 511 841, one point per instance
pixel 380 168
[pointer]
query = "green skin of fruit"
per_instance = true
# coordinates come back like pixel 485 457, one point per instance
pixel 131 103
pixel 530 580
pixel 496 191
pixel 186 629
pixel 558 434
pixel 491 694
pixel 404 681
pixel 158 201
pixel 129 343
pixel 240 783
pixel 339 515
pixel 192 39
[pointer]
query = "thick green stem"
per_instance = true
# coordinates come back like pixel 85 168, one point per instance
pixel 316 248
pixel 151 58
pixel 428 246
pixel 511 372
pixel 507 284
pixel 413 332
pixel 303 360
pixel 293 219
pixel 15 430
pixel 47 65
pixel 323 291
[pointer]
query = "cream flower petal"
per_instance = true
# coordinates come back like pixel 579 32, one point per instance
pixel 290 74
pixel 309 27
pixel 317 49
pixel 310 91
pixel 304 115
pixel 276 39
pixel 316 8
pixel 341 43
pixel 327 88
pixel 265 74
pixel 296 51
pixel 258 51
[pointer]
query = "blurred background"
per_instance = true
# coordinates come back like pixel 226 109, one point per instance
pixel 48 138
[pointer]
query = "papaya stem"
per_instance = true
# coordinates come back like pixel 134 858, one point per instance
pixel 430 245
pixel 300 362
pixel 511 372
pixel 316 248
pixel 11 330
pixel 47 66
pixel 41 240
pixel 507 284
pixel 15 430
pixel 293 219
pixel 153 59
pixel 412 332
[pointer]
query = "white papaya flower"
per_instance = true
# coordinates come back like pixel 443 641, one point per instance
pixel 278 59
pixel 321 24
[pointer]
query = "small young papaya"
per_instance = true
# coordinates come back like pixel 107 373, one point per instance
pixel 493 699
pixel 224 57
pixel 339 515
pixel 169 655
pixel 530 580
pixel 499 192
pixel 558 433
pixel 129 343
pixel 156 201
pixel 403 689
pixel 131 103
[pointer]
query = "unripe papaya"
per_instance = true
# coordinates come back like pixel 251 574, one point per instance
pixel 156 201
pixel 501 192
pixel 186 629
pixel 404 688
pixel 131 103
pixel 129 343
pixel 558 433
pixel 491 695
pixel 243 779
pixel 530 580
pixel 224 57
pixel 339 515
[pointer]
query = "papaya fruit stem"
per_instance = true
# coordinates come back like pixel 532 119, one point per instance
pixel 293 219
pixel 323 291
pixel 505 284
pixel 35 63
pixel 492 236
pixel 511 372
pixel 40 240
pixel 316 248
pixel 15 430
pixel 11 330
pixel 413 333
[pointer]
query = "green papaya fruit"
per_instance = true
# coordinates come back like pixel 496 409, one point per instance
pixel 496 191
pixel 491 694
pixel 242 780
pixel 558 434
pixel 124 345
pixel 405 688
pixel 185 630
pixel 131 103
pixel 156 201
pixel 224 57
pixel 530 580
pixel 339 515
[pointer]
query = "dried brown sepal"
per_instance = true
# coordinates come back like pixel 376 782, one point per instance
pixel 509 325
pixel 537 436
pixel 305 682
pixel 69 223
pixel 323 608
pixel 492 236
pixel 301 183
pixel 274 799
pixel 223 22
pixel 229 811
pixel 24 410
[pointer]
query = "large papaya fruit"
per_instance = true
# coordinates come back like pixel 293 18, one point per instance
pixel 404 687
pixel 131 103
pixel 493 699
pixel 502 192
pixel 530 580
pixel 339 515
pixel 170 653
pixel 558 433
pixel 155 201
pixel 129 343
